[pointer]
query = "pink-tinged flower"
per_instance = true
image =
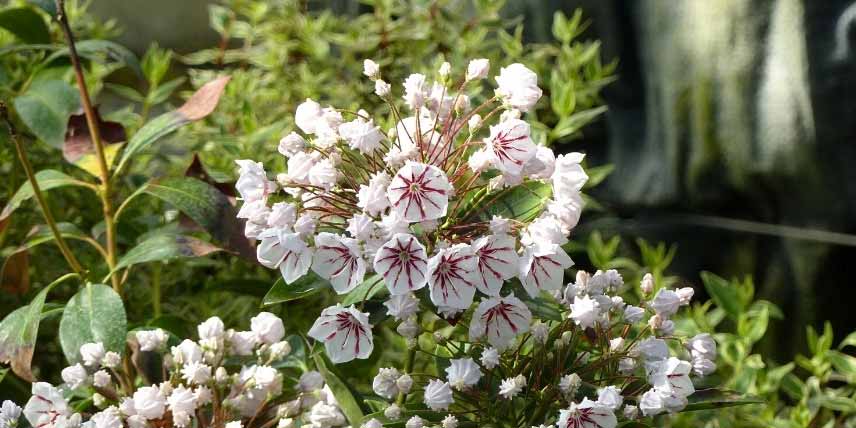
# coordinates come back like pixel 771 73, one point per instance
pixel 285 250
pixel 587 414
pixel 510 145
pixel 568 177
pixel 672 376
pixel 497 262
pixel 501 319
pixel 362 135
pixel 419 192
pixel 542 267
pixel 452 277
pixel 47 408
pixel 372 197
pixel 339 260
pixel 308 115
pixel 403 263
pixel 518 86
pixel 346 333
pixel 252 181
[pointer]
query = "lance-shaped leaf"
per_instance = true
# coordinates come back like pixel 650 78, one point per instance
pixel 706 399
pixel 47 179
pixel 343 394
pixel 163 248
pixel 281 292
pixel 46 107
pixel 79 149
pixel 18 333
pixel 201 104
pixel 206 206
pixel 523 202
pixel 26 24
pixel 99 50
pixel 94 314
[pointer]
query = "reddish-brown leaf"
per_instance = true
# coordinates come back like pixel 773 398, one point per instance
pixel 78 141
pixel 14 277
pixel 203 102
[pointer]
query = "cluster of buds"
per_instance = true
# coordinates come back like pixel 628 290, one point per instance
pixel 223 379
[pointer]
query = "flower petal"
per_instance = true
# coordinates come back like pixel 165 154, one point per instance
pixel 542 267
pixel 403 263
pixel 338 259
pixel 497 262
pixel 419 192
pixel 452 277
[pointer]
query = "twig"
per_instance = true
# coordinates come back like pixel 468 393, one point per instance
pixel 95 134
pixel 37 192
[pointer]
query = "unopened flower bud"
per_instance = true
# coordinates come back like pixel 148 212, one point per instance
pixel 285 423
pixel 631 411
pixel 99 400
pixel 404 383
pixel 439 338
pixel 444 71
pixel 647 284
pixel 371 69
pixel 280 349
pixel 414 422
pixel 382 88
pixel 221 376
pixel 392 412
pixel 409 328
pixel 111 360
pixel 474 122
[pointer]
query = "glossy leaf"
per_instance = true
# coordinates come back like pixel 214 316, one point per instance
pixel 541 307
pixel 306 286
pixel 47 179
pixel 201 104
pixel 344 396
pixel 164 248
pixel 26 24
pixel 707 399
pixel 722 292
pixel 45 108
pixel 523 202
pixel 94 314
pixel 368 289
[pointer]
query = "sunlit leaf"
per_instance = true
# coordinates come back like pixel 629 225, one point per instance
pixel 95 314
pixel 281 292
pixel 163 248
pixel 707 399
pixel 45 108
pixel 344 396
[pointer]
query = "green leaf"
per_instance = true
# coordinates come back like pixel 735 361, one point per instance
pixel 722 292
pixel 47 179
pixel 344 396
pixel 48 6
pixel 522 203
pixel 45 109
pixel 165 247
pixel 97 49
pixel 281 292
pixel 560 27
pixel 94 314
pixel 365 291
pixel 850 340
pixel 840 404
pixel 200 104
pixel 562 96
pixel 843 363
pixel 571 124
pixel 41 234
pixel 26 24
pixel 546 309
pixel 707 399
pixel 18 332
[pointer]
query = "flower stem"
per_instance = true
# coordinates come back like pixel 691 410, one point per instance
pixel 37 192
pixel 95 134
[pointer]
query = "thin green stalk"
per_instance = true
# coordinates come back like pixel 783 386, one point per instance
pixel 95 134
pixel 37 192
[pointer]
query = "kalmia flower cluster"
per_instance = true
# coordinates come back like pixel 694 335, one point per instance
pixel 411 205
pixel 226 378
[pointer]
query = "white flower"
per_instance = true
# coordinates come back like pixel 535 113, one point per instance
pixel 187 352
pixel 587 414
pixel 149 402
pixel 512 386
pixel 463 373
pixel 234 424
pixel 47 408
pixel 409 328
pixel 478 68
pixel 450 421
pixel 92 353
pixel 323 415
pixel 630 411
pixel 404 383
pixel 111 360
pixel 384 384
pixel 702 346
pixel 543 230
pixel 666 302
pixel 252 182
pixel 361 135
pixel 475 122
pixel 414 422
pixel 445 69
pixel 392 412
pixel 480 160
pixel 182 404
pixel 703 366
pixel 567 212
pixel 346 333
pixel 305 226
pixel 372 423
pixel 101 379
pixel 490 358
pixel 203 395
pixel 323 174
pixel 402 306
pixel 339 260
pixel 382 88
pixel 651 403
pixel 647 284
pixel 291 144
pixel 540 332
pixel 286 251
pixel 501 319
pixel 616 344
pixel 568 177
pixel 9 414
pixel 438 395
pixel 267 327
pixel 518 86
pixel 672 376
pixel 212 328
pixel 282 214
pixel 452 276
pixel 241 343
pixel 685 294
pixel 569 384
pixel 74 376
pixel 308 115
pixel 107 418
pixel 510 146
pixel 610 396
pixel 652 349
pixel 585 311
pixel 415 87
pixel 310 381
pixel 499 225
pixel 371 69
pixel 542 165
pixel 196 373
pixel 633 314
pixel 299 166
pixel 403 264
pixel 372 197
pixel 497 261
pixel 419 192
pixel 266 377
pixel 542 268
